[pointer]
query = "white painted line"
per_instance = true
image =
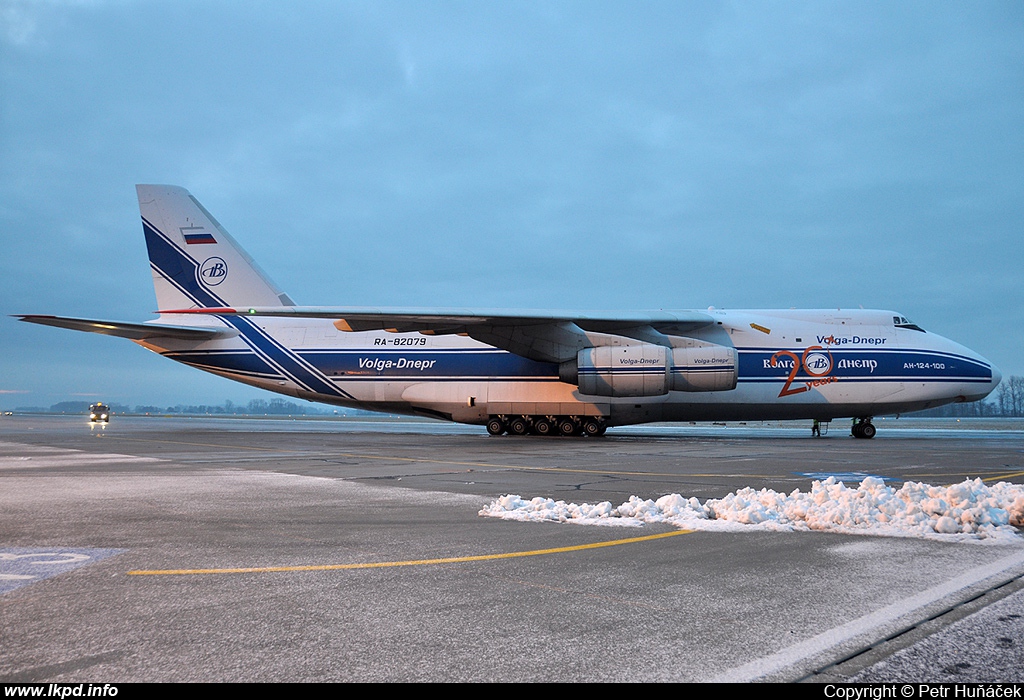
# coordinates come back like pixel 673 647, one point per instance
pixel 861 626
pixel 20 566
pixel 34 457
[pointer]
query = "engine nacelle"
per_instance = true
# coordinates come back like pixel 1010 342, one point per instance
pixel 703 367
pixel 623 370
pixel 645 369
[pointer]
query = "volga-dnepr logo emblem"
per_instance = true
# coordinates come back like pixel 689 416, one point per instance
pixel 213 271
pixel 817 364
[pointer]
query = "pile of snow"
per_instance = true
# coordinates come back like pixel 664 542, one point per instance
pixel 968 510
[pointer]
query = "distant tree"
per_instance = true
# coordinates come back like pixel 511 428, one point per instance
pixel 70 407
pixel 280 407
pixel 1010 396
pixel 1008 401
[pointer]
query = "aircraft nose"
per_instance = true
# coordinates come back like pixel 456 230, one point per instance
pixel 997 377
pixel 977 389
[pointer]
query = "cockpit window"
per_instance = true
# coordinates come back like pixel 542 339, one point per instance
pixel 904 322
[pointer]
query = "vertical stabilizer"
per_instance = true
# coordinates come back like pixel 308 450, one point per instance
pixel 195 262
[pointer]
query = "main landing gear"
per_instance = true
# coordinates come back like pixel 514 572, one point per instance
pixel 862 428
pixel 546 425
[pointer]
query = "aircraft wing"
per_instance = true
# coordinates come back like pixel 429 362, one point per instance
pixel 411 319
pixel 134 331
pixel 543 335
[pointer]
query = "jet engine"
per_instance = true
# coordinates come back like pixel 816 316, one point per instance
pixel 703 367
pixel 623 370
pixel 645 369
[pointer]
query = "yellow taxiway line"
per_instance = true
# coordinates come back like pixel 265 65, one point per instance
pixel 410 562
pixel 1011 475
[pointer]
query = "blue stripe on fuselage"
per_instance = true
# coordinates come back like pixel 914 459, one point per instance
pixel 178 267
pixel 468 363
pixel 867 365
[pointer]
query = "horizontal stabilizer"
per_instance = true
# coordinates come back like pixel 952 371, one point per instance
pixel 134 331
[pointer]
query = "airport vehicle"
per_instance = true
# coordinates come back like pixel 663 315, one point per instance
pixel 520 371
pixel 99 413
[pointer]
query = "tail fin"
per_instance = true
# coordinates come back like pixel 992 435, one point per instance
pixel 195 262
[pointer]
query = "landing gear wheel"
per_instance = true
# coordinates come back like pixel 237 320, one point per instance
pixel 863 429
pixel 567 426
pixel 495 426
pixel 593 427
pixel 518 426
pixel 542 426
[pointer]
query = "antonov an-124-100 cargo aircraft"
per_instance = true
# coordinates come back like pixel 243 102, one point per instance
pixel 529 371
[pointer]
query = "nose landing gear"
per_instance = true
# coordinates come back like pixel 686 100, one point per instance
pixel 862 428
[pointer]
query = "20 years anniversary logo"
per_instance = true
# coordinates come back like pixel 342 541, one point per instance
pixel 816 362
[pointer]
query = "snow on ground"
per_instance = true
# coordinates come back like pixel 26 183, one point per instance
pixel 969 510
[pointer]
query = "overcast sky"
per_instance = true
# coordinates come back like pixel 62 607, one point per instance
pixel 540 154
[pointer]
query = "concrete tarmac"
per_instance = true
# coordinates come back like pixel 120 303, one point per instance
pixel 177 549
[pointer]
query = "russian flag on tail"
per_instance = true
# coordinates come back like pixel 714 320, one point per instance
pixel 196 235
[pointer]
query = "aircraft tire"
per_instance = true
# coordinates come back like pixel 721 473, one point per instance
pixel 593 427
pixel 542 426
pixel 567 426
pixel 867 431
pixel 518 426
pixel 495 426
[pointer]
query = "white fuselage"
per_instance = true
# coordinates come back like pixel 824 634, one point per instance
pixel 790 364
